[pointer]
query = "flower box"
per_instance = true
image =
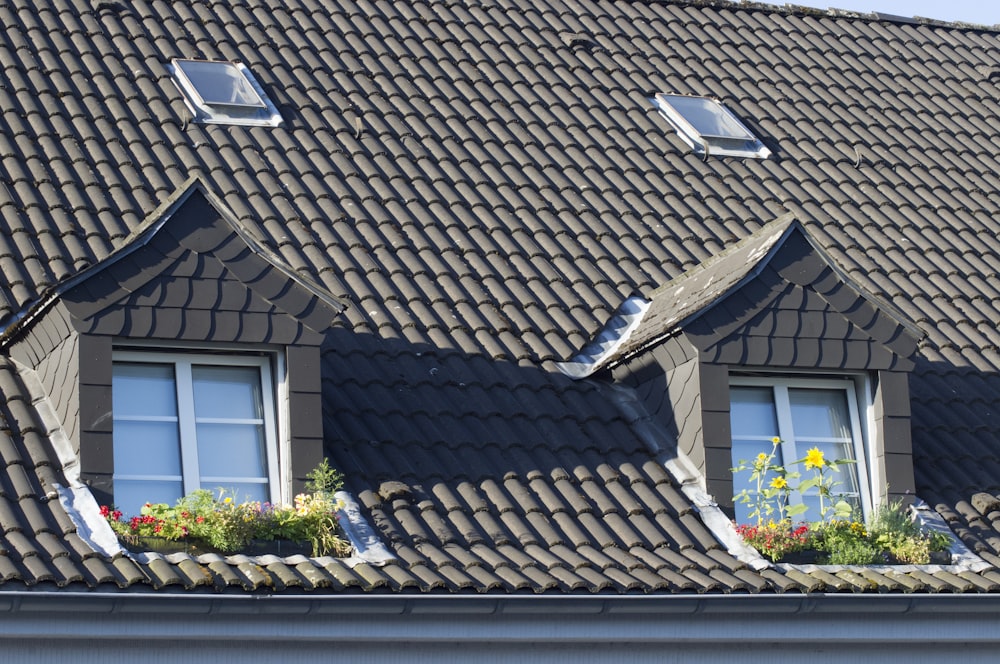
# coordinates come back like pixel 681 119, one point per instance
pixel 814 557
pixel 893 540
pixel 283 548
pixel 202 522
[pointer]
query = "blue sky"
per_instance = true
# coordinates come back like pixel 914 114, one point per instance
pixel 986 12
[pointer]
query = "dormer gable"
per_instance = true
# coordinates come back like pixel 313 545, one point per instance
pixel 195 273
pixel 776 307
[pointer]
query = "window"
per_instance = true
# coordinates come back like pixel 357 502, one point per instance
pixel 709 127
pixel 804 414
pixel 189 421
pixel 223 93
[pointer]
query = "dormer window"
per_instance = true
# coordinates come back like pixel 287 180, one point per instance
pixel 709 127
pixel 770 339
pixel 185 421
pixel 219 92
pixel 805 414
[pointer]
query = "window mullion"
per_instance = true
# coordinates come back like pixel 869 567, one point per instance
pixel 187 426
pixel 786 432
pixel 860 453
pixel 271 445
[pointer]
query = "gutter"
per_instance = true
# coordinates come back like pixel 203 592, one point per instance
pixel 52 603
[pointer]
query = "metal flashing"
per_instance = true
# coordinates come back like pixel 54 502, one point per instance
pixel 607 342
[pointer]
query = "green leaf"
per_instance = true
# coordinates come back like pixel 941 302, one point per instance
pixel 808 484
pixel 842 509
pixel 795 510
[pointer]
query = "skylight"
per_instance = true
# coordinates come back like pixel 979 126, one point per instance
pixel 219 92
pixel 709 127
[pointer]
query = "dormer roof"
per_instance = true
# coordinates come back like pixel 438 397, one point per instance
pixel 782 251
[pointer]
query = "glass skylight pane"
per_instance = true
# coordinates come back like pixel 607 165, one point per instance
pixel 219 83
pixel 709 127
pixel 220 92
pixel 708 118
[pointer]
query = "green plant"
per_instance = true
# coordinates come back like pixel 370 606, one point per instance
pixel 768 496
pixel 223 524
pixel 845 542
pixel 891 536
pixel 896 531
pixel 776 539
pixel 324 479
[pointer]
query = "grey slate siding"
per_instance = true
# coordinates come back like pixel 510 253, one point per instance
pixel 50 348
pixel 893 432
pixel 97 461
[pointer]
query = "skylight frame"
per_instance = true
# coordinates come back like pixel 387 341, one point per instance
pixel 740 141
pixel 257 111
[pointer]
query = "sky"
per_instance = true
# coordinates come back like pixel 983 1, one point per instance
pixel 985 12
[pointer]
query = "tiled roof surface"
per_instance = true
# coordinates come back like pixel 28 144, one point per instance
pixel 486 182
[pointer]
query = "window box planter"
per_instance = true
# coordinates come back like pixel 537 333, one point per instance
pixel 807 557
pixel 282 548
pixel 202 522
pixel 814 557
pixel 892 539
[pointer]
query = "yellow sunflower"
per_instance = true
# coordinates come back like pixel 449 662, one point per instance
pixel 779 483
pixel 814 459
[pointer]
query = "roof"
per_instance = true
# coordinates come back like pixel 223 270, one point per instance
pixel 485 184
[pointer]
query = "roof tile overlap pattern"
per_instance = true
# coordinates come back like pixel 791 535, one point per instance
pixel 486 183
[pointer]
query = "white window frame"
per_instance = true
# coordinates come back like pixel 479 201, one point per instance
pixel 856 388
pixel 209 111
pixel 733 144
pixel 182 362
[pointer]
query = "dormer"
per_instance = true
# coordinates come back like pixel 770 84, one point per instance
pixel 769 340
pixel 187 359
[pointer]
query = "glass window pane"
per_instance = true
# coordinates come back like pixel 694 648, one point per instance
pixel 219 83
pixel 707 117
pixel 143 390
pixel 819 414
pixel 131 495
pixel 227 392
pixel 752 412
pixel 231 450
pixel 240 491
pixel 146 448
pixel 813 513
